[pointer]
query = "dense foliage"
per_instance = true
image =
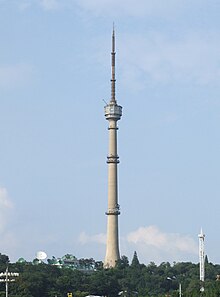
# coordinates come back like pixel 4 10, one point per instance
pixel 126 279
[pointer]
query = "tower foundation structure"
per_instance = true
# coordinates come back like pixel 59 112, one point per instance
pixel 113 113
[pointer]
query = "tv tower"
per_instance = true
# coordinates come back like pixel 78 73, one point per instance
pixel 201 260
pixel 113 113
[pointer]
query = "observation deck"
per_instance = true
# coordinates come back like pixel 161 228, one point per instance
pixel 113 111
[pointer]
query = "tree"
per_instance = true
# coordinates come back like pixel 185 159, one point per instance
pixel 4 259
pixel 123 262
pixel 135 262
pixel 46 280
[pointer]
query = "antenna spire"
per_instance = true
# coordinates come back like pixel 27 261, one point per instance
pixel 113 80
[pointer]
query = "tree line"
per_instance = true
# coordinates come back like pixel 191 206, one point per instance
pixel 126 279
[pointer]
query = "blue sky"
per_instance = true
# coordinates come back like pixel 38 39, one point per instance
pixel 55 74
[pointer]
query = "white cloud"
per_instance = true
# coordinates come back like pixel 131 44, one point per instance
pixel 14 75
pixel 154 58
pixel 44 4
pixel 155 245
pixel 152 236
pixel 151 244
pixel 5 203
pixel 5 206
pixel 24 4
pixel 9 240
pixel 50 4
pixel 141 8
pixel 98 238
pixel 114 8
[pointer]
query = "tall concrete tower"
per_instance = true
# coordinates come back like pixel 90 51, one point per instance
pixel 201 260
pixel 113 113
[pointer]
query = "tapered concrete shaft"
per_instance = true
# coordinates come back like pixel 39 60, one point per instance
pixel 113 113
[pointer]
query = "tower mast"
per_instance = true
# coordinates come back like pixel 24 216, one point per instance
pixel 113 113
pixel 201 260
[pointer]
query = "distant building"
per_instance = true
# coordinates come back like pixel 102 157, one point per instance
pixel 68 261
